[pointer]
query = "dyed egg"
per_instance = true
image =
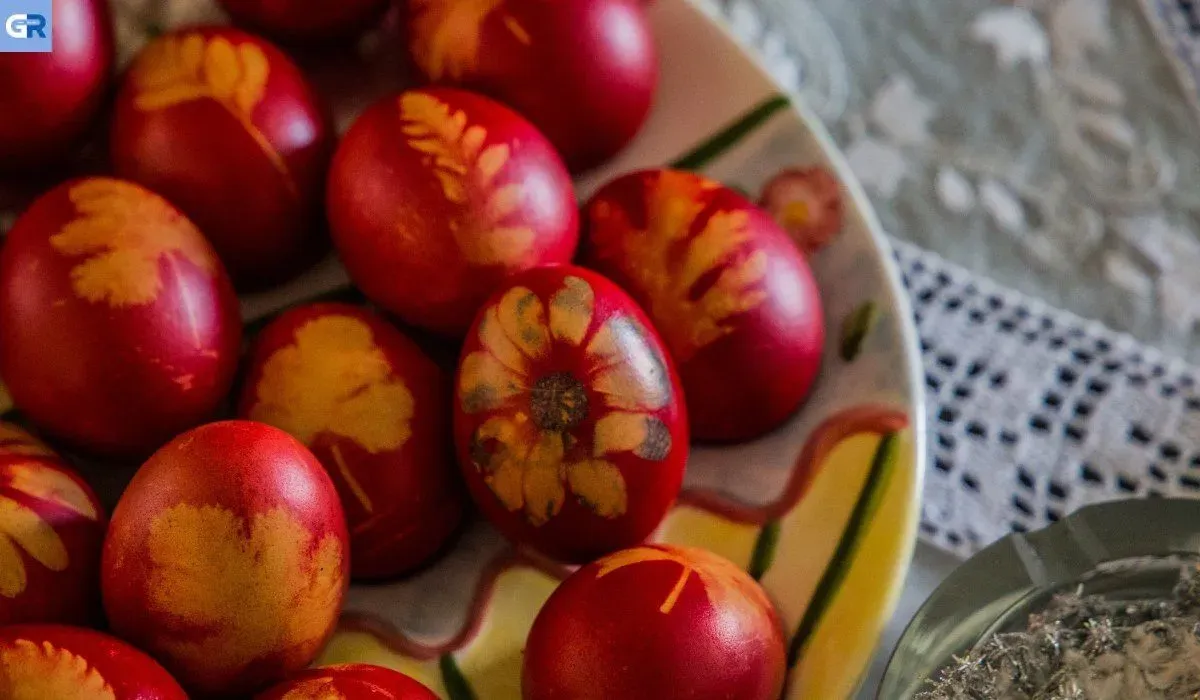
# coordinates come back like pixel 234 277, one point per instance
pixel 348 682
pixel 656 623
pixel 227 558
pixel 584 72
pixel 371 407
pixel 51 529
pixel 436 196
pixel 569 419
pixel 52 662
pixel 224 125
pixel 50 99
pixel 306 20
pixel 729 292
pixel 118 326
pixel 807 203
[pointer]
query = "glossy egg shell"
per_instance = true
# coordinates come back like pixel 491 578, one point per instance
pixel 731 295
pixel 584 72
pixel 349 682
pixel 54 661
pixel 227 558
pixel 306 20
pixel 224 125
pixel 569 419
pixel 50 99
pixel 118 325
pixel 374 409
pixel 51 529
pixel 656 623
pixel 437 195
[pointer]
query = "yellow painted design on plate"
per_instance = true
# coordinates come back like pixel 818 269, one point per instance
pixel 672 264
pixel 40 671
pixel 261 588
pixel 126 232
pixel 469 175
pixel 525 462
pixel 725 585
pixel 23 529
pixel 447 34
pixel 175 69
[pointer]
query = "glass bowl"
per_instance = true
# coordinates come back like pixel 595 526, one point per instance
pixel 1125 550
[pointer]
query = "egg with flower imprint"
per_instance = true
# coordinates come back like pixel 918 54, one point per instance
pixel 436 196
pixel 348 682
pixel 656 622
pixel 306 21
pixel 584 72
pixel 118 325
pixel 227 558
pixel 569 420
pixel 224 125
pixel 373 408
pixel 44 662
pixel 51 529
pixel 734 299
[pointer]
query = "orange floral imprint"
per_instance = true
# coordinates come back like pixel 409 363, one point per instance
pixel 315 689
pixel 32 671
pixel 176 69
pixel 335 380
pixel 15 440
pixel 652 259
pixel 125 230
pixel 724 584
pixel 204 560
pixel 447 35
pixel 22 529
pixel 527 446
pixel 469 175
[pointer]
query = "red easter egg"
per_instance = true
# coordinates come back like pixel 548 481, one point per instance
pixel 53 662
pixel 51 529
pixel 584 72
pixel 306 20
pixel 373 408
pixel 437 195
pixel 734 300
pixel 569 419
pixel 656 622
pixel 118 325
pixel 224 125
pixel 50 99
pixel 348 682
pixel 227 558
pixel 807 203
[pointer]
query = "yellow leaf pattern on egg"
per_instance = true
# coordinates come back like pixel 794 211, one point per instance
pixel 33 671
pixel 314 689
pixel 672 265
pixel 447 35
pixel 23 529
pixel 183 68
pixel 126 232
pixel 15 440
pixel 469 174
pixel 725 585
pixel 243 590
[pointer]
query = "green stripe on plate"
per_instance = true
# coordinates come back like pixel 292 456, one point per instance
pixel 456 683
pixel 728 137
pixel 764 550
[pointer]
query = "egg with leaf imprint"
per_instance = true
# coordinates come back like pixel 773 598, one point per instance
pixel 118 325
pixel 306 21
pixel 436 196
pixel 568 417
pixel 656 622
pixel 52 99
pixel 373 408
pixel 584 72
pixel 732 296
pixel 348 682
pixel 226 127
pixel 55 662
pixel 227 558
pixel 51 529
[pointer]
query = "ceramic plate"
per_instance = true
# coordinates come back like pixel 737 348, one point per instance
pixel 822 511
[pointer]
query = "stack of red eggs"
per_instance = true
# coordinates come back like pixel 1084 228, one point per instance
pixel 592 344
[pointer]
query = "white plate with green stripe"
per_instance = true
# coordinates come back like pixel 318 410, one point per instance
pixel 823 511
